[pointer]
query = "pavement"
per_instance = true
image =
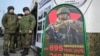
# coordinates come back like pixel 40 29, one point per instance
pixel 31 52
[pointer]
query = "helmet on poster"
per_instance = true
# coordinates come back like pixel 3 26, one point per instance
pixel 63 10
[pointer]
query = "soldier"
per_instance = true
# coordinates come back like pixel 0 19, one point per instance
pixel 27 25
pixel 59 32
pixel 18 35
pixel 9 22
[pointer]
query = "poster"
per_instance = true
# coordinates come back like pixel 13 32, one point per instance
pixel 88 9
pixel 64 33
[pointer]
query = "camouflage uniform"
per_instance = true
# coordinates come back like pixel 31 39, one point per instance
pixel 60 30
pixel 18 34
pixel 27 23
pixel 9 22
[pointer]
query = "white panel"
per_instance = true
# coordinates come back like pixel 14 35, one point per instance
pixel 92 17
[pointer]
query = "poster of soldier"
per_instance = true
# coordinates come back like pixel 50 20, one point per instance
pixel 64 32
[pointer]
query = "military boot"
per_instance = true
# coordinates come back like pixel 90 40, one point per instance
pixel 25 51
pixel 12 51
pixel 6 54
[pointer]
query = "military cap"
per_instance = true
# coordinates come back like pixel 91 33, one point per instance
pixel 10 7
pixel 25 8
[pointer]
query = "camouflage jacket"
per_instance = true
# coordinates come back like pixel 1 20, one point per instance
pixel 27 23
pixel 62 30
pixel 9 22
pixel 18 24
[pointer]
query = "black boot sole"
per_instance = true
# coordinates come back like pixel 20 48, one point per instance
pixel 12 52
pixel 5 54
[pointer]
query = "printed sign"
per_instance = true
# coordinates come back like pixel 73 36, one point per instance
pixel 64 33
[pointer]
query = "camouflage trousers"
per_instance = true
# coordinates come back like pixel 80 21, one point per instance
pixel 9 42
pixel 26 40
pixel 18 41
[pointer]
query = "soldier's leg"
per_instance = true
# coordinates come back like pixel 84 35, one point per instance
pixel 6 43
pixel 23 44
pixel 15 41
pixel 28 40
pixel 26 44
pixel 12 45
pixel 23 40
pixel 19 42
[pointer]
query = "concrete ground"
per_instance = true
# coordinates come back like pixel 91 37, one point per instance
pixel 31 52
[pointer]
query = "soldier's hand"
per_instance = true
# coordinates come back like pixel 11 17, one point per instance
pixel 70 21
pixel 30 31
pixel 67 22
pixel 20 31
